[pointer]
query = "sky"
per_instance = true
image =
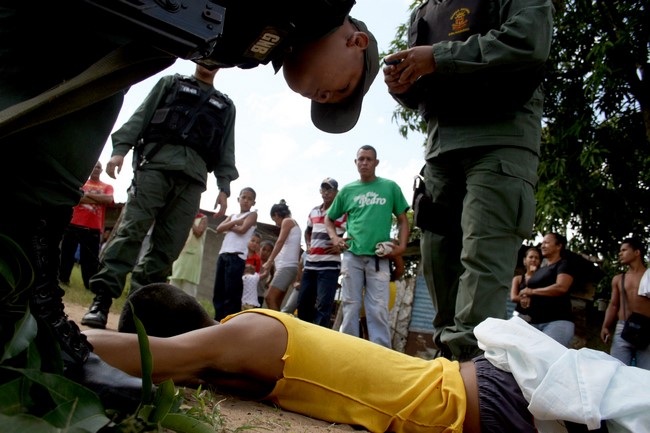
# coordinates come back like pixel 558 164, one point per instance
pixel 278 151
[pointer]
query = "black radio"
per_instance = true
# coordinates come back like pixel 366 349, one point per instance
pixel 188 29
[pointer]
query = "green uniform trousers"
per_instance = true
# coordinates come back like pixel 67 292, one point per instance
pixel 168 200
pixel 484 207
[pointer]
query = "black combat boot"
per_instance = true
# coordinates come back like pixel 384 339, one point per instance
pixel 46 299
pixel 97 315
pixel 116 389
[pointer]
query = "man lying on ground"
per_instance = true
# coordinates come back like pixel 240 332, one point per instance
pixel 526 381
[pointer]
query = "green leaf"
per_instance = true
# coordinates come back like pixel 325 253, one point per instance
pixel 12 399
pixel 146 359
pixel 24 333
pixel 165 398
pixel 60 416
pixel 62 391
pixel 185 424
pixel 24 423
pixel 15 270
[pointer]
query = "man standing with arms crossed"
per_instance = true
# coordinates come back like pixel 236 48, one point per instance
pixel 85 229
pixel 370 204
pixel 320 273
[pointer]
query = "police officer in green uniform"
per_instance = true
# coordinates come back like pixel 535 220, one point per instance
pixel 43 44
pixel 51 153
pixel 473 70
pixel 184 129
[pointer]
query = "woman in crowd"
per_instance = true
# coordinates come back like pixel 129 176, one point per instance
pixel 532 260
pixel 547 294
pixel 284 257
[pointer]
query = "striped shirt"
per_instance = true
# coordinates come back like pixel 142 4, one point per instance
pixel 317 258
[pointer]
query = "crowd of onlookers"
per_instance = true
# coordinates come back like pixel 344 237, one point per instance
pixel 542 296
pixel 252 272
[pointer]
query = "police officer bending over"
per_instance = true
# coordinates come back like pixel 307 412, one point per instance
pixel 52 147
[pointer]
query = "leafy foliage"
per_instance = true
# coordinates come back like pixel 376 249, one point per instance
pixel 595 150
pixel 36 401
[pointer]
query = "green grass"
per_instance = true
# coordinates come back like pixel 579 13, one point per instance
pixel 76 293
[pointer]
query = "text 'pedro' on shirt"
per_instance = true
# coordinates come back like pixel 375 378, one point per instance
pixel 369 198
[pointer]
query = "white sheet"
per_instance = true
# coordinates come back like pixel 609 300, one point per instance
pixel 582 386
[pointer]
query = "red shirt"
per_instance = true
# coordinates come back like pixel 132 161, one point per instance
pixel 88 214
pixel 254 260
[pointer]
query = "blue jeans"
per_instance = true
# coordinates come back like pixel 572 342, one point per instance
pixel 559 330
pixel 365 282
pixel 626 352
pixel 316 298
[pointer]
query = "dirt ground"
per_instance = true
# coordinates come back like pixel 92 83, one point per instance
pixel 240 414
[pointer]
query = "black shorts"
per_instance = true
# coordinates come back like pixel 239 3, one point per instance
pixel 502 406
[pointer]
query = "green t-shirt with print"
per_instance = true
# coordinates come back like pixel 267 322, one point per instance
pixel 370 207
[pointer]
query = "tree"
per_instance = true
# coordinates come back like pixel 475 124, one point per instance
pixel 594 173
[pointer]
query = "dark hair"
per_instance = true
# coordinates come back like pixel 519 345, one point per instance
pixel 266 242
pixel 368 147
pixel 249 189
pixel 539 254
pixel 164 310
pixel 560 240
pixel 636 244
pixel 280 209
pixel 257 234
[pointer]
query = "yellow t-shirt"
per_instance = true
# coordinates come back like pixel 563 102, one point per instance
pixel 347 380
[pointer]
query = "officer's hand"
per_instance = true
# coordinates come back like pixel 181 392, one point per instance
pixel 221 203
pixel 115 162
pixel 413 63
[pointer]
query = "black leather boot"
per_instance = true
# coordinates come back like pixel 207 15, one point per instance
pixel 97 315
pixel 46 299
pixel 116 389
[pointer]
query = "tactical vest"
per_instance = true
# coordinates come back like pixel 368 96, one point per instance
pixel 486 92
pixel 189 116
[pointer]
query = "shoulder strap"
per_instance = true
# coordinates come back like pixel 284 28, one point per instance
pixel 196 109
pixel 623 294
pixel 111 74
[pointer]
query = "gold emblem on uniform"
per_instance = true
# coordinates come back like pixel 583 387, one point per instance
pixel 459 22
pixel 266 41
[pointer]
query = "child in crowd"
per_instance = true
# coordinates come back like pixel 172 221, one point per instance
pixel 238 229
pixel 186 270
pixel 250 281
pixel 266 247
pixel 253 257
